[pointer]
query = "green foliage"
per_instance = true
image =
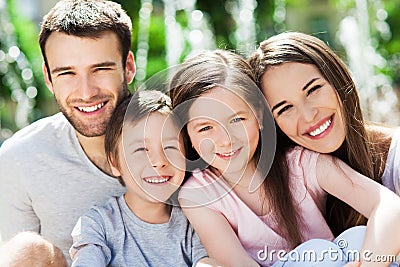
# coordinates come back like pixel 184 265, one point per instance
pixel 20 32
pixel 221 21
pixel 298 3
pixel 26 34
pixel 263 15
pixel 390 49
pixel 156 58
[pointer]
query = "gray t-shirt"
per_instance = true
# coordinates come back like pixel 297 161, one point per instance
pixel 47 182
pixel 111 235
pixel 391 175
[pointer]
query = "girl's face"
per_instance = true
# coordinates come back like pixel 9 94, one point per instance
pixel 152 163
pixel 223 130
pixel 305 106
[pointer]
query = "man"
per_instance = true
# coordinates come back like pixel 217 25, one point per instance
pixel 55 169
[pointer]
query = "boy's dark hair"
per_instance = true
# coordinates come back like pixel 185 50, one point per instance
pixel 87 18
pixel 130 111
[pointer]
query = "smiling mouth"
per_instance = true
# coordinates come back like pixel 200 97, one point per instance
pixel 322 128
pixel 230 154
pixel 91 108
pixel 157 179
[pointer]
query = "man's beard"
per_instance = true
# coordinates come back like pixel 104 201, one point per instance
pixel 96 127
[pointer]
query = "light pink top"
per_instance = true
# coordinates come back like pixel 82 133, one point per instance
pixel 259 235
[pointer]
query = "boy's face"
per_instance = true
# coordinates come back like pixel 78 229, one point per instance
pixel 88 79
pixel 152 162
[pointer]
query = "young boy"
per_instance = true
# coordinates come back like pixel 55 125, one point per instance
pixel 144 227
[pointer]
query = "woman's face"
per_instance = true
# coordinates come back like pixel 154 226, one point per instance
pixel 305 106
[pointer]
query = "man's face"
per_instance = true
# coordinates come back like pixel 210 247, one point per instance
pixel 87 78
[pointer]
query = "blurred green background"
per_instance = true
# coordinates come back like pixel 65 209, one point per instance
pixel 365 33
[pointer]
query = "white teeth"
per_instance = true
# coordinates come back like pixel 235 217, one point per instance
pixel 154 180
pixel 92 108
pixel 228 154
pixel 321 129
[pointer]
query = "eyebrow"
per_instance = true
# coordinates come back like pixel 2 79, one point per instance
pixel 105 64
pixel 60 69
pixel 309 83
pixel 197 124
pixel 201 121
pixel 102 64
pixel 278 105
pixel 241 113
pixel 304 88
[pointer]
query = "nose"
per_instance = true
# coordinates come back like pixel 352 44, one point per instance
pixel 309 113
pixel 87 87
pixel 158 160
pixel 222 137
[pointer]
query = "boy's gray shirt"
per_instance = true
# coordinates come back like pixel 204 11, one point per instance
pixel 112 235
pixel 47 182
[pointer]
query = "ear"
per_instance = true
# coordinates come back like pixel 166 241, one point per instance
pixel 115 171
pixel 47 78
pixel 130 67
pixel 114 168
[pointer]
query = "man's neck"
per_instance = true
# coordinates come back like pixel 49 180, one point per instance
pixel 94 150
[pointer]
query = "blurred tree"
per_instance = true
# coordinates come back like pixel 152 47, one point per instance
pixel 390 47
pixel 21 97
pixel 26 33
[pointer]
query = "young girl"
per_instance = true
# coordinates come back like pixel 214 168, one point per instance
pixel 143 227
pixel 315 104
pixel 239 222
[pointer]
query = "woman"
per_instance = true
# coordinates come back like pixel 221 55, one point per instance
pixel 315 104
